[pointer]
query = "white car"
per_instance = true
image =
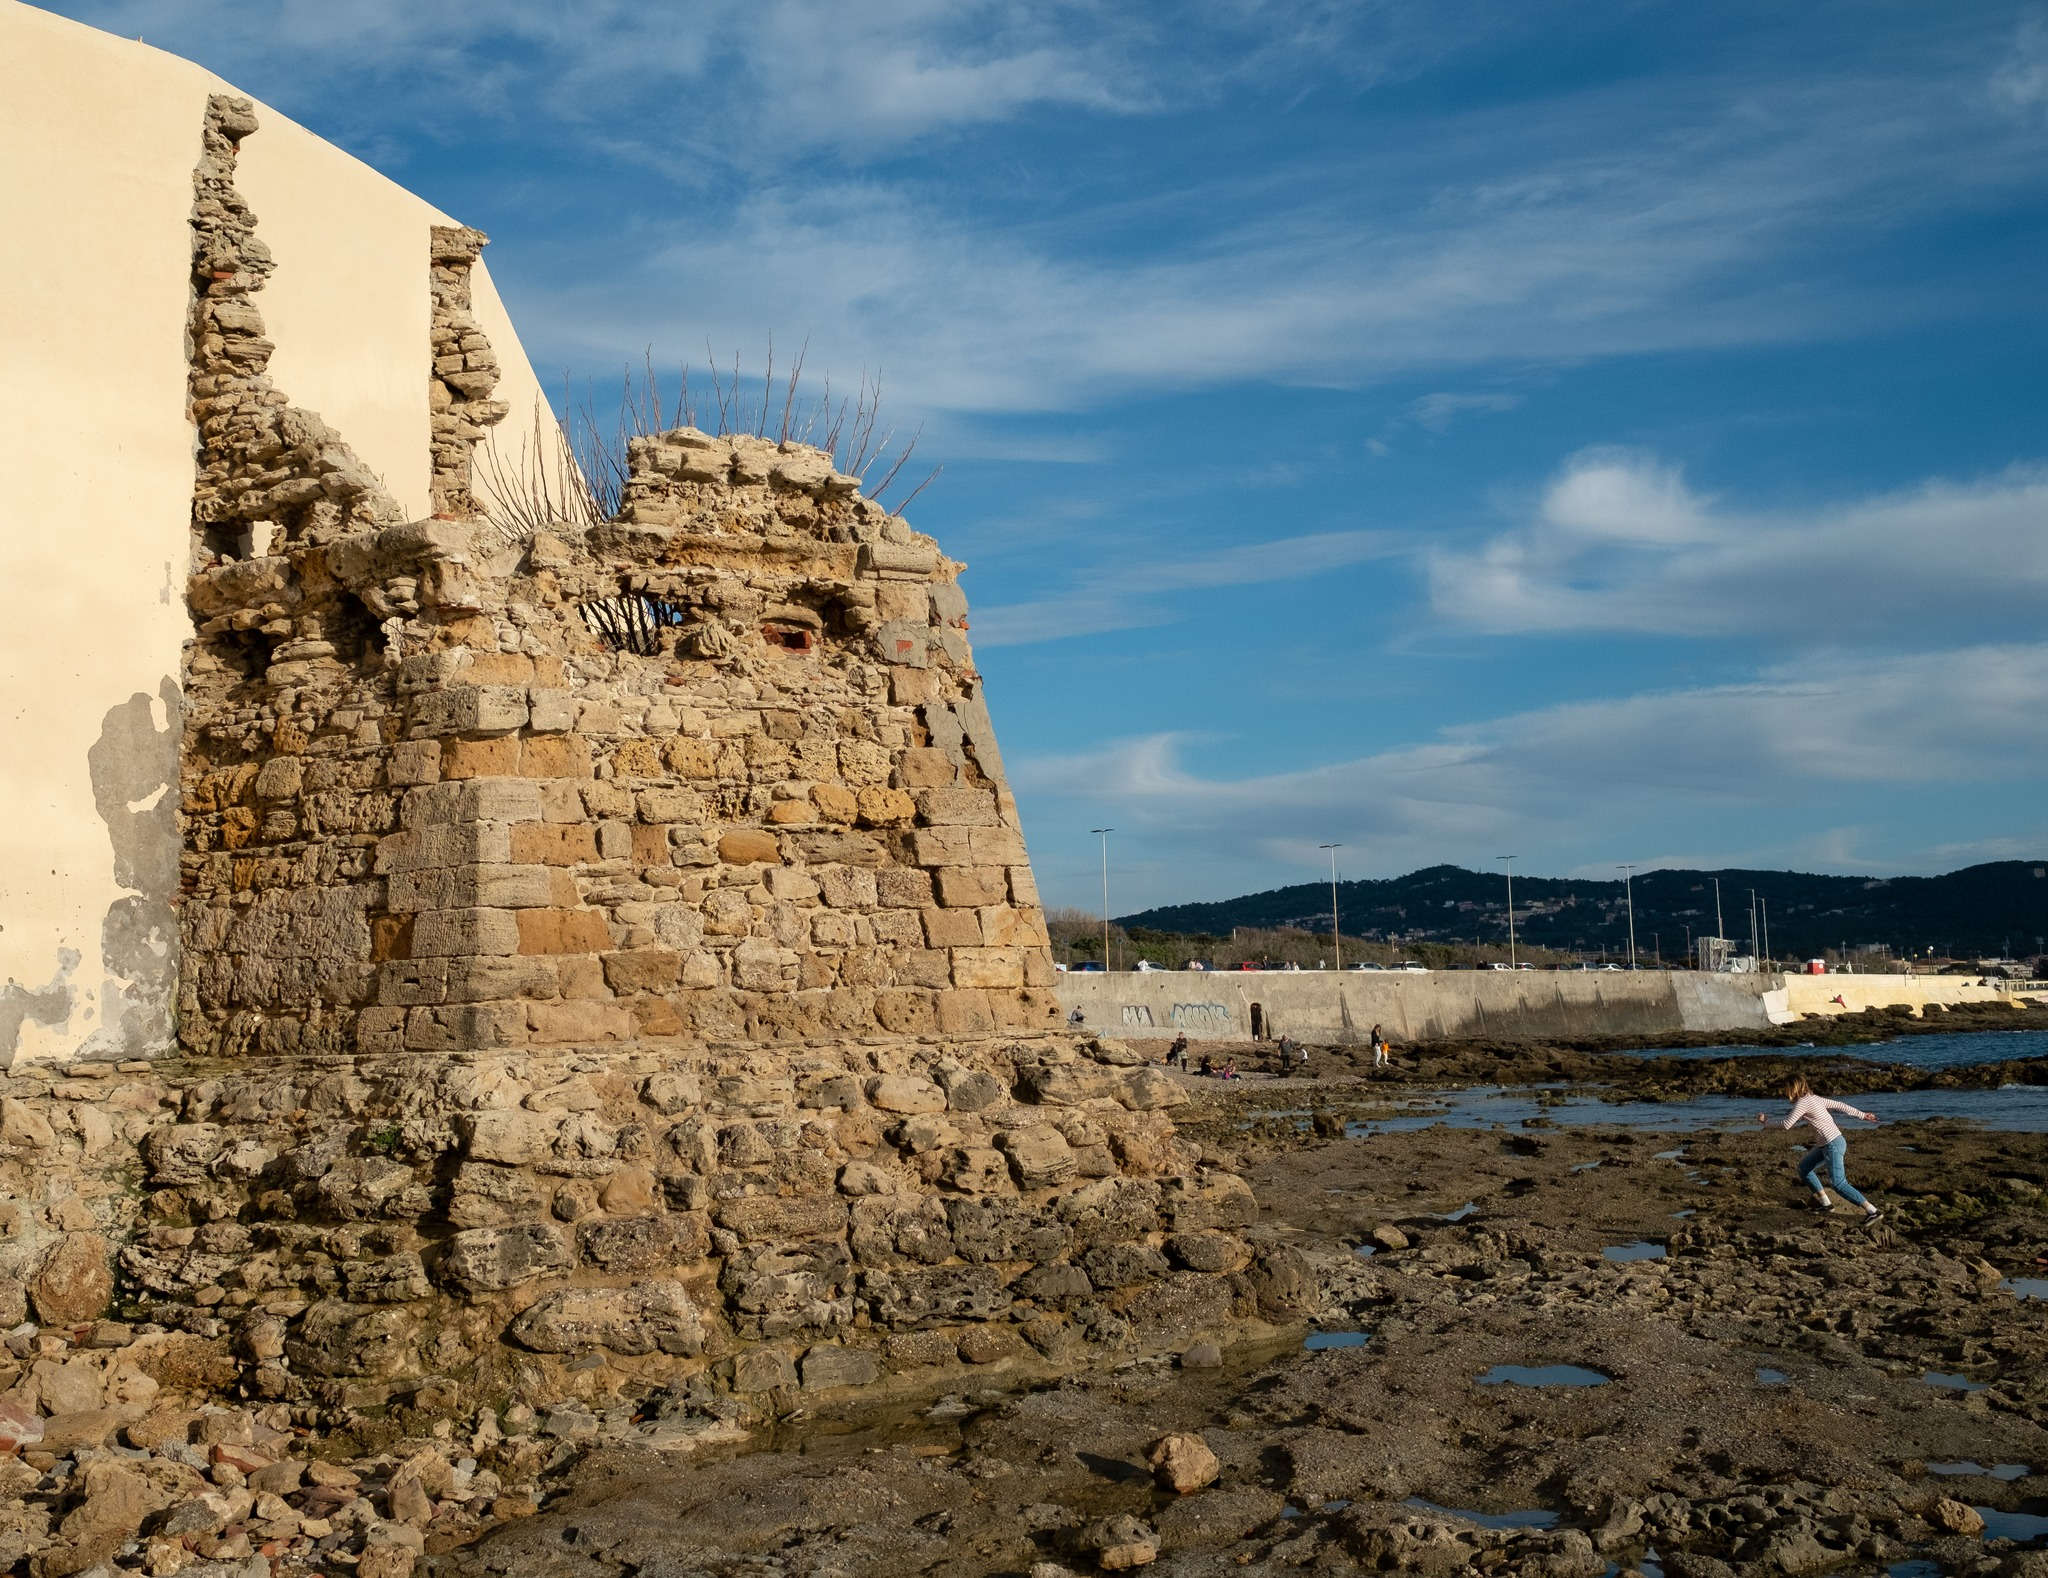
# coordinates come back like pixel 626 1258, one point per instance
pixel 1410 967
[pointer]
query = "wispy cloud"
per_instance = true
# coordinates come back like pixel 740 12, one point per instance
pixel 1136 594
pixel 1434 413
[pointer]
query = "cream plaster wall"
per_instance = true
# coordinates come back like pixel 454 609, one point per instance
pixel 96 466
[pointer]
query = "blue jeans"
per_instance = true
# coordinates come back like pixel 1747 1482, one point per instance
pixel 1830 1156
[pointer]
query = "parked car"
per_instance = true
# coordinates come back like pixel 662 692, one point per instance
pixel 1368 967
pixel 1410 967
pixel 1086 967
pixel 1147 967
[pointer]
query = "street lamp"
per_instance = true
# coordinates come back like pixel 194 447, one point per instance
pixel 1510 859
pixel 1629 893
pixel 1336 933
pixel 1103 833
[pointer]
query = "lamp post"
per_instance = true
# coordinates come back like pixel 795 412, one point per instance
pixel 1336 932
pixel 1103 833
pixel 1510 859
pixel 1628 891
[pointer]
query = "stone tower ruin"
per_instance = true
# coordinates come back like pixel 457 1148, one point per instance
pixel 609 951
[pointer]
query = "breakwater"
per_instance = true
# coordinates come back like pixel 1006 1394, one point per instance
pixel 1326 1008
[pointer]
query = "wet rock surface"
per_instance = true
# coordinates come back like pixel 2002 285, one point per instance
pixel 1765 1410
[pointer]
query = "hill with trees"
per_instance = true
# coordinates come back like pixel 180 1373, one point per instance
pixel 1999 909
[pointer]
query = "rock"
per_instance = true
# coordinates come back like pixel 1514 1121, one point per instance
pixel 655 1317
pixel 1388 1237
pixel 71 1387
pixel 1207 1250
pixel 989 1344
pixel 1203 1355
pixel 1183 1463
pixel 905 1093
pixel 1120 1543
pixel 829 1365
pixel 22 1127
pixel 21 1428
pixel 491 1259
pixel 1039 1157
pixel 91 1427
pixel 74 1282
pixel 1955 1516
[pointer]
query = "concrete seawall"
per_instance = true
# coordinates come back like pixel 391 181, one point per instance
pixel 1318 1006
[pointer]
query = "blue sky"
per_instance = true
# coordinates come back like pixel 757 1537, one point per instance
pixel 1600 431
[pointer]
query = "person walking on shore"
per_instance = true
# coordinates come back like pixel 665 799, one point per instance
pixel 1815 1112
pixel 1379 1047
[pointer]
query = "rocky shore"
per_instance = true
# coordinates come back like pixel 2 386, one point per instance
pixel 1760 1389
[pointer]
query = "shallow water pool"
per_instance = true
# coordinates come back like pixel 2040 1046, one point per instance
pixel 1958 1050
pixel 2027 1287
pixel 1534 1518
pixel 1640 1250
pixel 2006 1471
pixel 1543 1375
pixel 2014 1109
pixel 1951 1383
pixel 1321 1341
pixel 2019 1526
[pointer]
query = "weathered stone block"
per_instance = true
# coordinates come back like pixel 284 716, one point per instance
pixel 492 1259
pixel 643 970
pixel 469 709
pixel 554 843
pixel 745 846
pixel 956 807
pixel 653 1317
pixel 494 757
pixel 997 846
pixel 488 980
pixel 473 800
pixel 965 1012
pixel 551 711
pixel 758 1218
pixel 941 846
pixel 828 1366
pixel 464 887
pixel 900 887
pixel 970 887
pixel 1004 927
pixel 568 1021
pixel 1039 1158
pixel 927 767
pixel 877 806
pixel 691 758
pixel 956 928
pixel 414 762
pixel 560 931
pixel 554 756
pixel 670 805
pixel 835 802
pixel 985 967
pixel 467 931
pixel 905 1093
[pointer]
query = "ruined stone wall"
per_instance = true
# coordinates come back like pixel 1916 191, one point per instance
pixel 610 958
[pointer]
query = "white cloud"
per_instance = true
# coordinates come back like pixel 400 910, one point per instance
pixel 1619 495
pixel 1436 412
pixel 2020 83
pixel 1797 738
pixel 1621 543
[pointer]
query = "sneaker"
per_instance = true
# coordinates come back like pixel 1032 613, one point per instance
pixel 1824 1203
pixel 1871 1218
